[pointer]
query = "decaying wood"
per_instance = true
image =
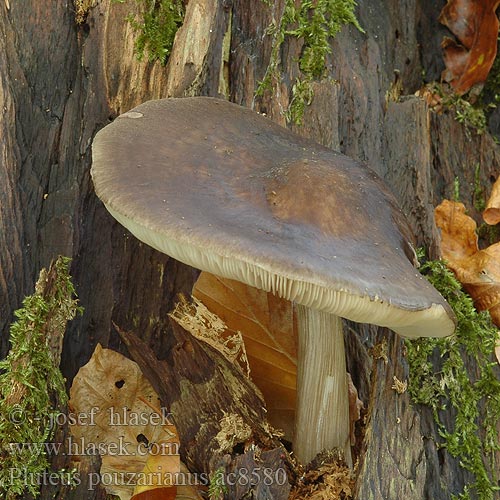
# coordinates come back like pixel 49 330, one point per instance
pixel 196 58
pixel 58 90
pixel 268 471
pixel 216 409
pixel 47 288
pixel 393 438
pixel 409 150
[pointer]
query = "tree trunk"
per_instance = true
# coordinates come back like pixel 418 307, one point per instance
pixel 60 83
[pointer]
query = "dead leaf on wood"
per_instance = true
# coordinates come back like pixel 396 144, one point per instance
pixel 269 339
pixel 458 231
pixel 118 415
pixel 491 214
pixel 478 270
pixel 475 25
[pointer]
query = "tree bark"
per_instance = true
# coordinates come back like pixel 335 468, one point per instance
pixel 60 83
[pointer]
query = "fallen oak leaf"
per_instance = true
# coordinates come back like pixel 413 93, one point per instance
pixel 475 25
pixel 477 270
pixel 458 231
pixel 481 280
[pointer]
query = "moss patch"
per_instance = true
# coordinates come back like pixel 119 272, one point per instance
pixel 156 27
pixel 31 385
pixel 466 381
pixel 315 23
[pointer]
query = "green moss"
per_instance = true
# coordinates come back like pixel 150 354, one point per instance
pixel 472 394
pixel 473 116
pixel 456 189
pixel 302 96
pixel 217 487
pixel 31 384
pixel 478 197
pixel 156 27
pixel 314 22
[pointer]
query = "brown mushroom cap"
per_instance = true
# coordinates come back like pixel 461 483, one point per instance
pixel 228 191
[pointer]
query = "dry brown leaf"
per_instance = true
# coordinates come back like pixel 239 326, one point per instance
pixel 491 214
pixel 458 231
pixel 481 279
pixel 478 270
pixel 269 339
pixel 119 417
pixel 475 25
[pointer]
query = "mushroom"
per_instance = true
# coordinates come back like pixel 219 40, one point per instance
pixel 226 190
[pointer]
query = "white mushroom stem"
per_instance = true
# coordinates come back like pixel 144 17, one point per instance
pixel 322 409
